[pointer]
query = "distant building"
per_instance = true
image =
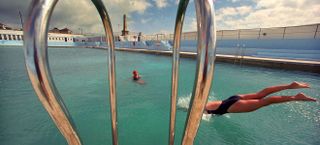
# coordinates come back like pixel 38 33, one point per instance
pixel 54 30
pixel 4 27
pixel 65 31
pixel 62 31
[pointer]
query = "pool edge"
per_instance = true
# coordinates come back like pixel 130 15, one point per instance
pixel 287 64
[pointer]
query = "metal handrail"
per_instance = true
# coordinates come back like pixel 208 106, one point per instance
pixel 36 60
pixel 183 4
pixel 111 67
pixel 35 32
pixel 36 57
pixel 205 68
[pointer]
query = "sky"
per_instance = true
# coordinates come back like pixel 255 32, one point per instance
pixel 158 16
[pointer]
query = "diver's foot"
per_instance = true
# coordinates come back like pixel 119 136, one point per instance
pixel 303 97
pixel 297 85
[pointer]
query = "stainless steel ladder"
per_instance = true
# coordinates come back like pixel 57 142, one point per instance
pixel 36 59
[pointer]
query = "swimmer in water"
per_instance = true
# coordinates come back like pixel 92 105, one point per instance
pixel 251 102
pixel 136 77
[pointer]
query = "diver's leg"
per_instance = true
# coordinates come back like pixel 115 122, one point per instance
pixel 267 91
pixel 254 104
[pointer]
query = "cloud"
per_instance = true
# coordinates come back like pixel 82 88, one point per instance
pixel 9 11
pixel 76 14
pixel 144 21
pixel 234 14
pixel 234 1
pixel 192 26
pixel 271 13
pixel 134 5
pixel 234 11
pixel 86 16
pixel 161 3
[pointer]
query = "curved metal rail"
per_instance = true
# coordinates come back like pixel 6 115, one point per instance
pixel 36 59
pixel 205 67
pixel 111 67
pixel 183 4
pixel 36 56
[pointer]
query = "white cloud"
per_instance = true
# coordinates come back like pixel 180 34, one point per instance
pixel 269 13
pixel 144 21
pixel 161 3
pixel 192 26
pixel 233 11
pixel 261 13
pixel 134 5
pixel 243 10
pixel 76 14
pixel 234 1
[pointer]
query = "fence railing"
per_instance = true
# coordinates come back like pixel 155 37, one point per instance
pixel 291 32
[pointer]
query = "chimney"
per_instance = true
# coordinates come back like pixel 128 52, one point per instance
pixel 124 30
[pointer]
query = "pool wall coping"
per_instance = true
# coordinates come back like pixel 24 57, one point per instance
pixel 287 64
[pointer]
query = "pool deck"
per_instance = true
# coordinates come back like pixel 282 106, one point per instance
pixel 287 64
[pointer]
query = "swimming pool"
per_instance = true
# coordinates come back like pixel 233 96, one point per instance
pixel 143 110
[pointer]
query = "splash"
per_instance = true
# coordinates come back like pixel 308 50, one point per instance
pixel 184 101
pixel 206 117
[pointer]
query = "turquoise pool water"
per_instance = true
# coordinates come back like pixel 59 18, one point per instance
pixel 80 76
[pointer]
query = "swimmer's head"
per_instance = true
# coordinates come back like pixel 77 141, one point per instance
pixel 135 72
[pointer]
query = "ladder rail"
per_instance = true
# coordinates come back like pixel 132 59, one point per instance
pixel 183 4
pixel 36 61
pixel 37 65
pixel 205 68
pixel 111 67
